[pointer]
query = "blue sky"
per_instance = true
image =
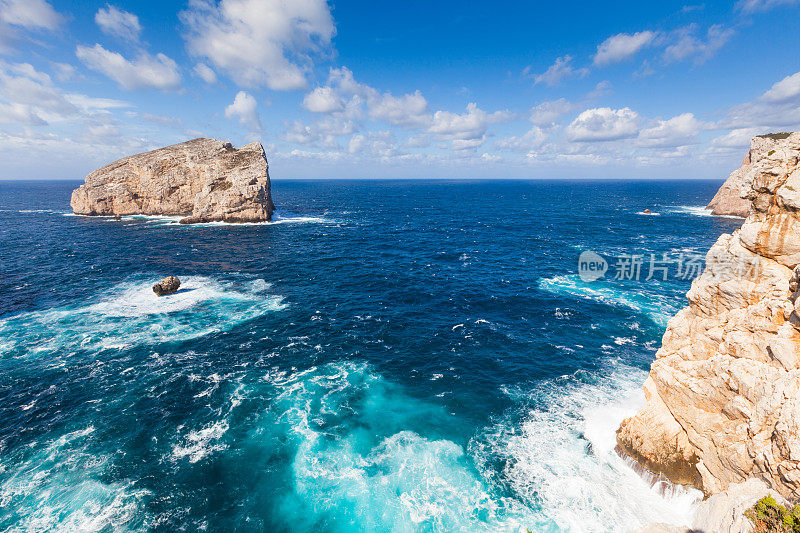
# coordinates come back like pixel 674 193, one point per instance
pixel 400 89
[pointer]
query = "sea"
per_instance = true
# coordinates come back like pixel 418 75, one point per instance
pixel 388 355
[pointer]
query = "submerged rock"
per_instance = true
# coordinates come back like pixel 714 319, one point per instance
pixel 723 395
pixel 168 285
pixel 203 180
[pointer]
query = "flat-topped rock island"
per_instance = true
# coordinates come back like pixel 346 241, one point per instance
pixel 203 180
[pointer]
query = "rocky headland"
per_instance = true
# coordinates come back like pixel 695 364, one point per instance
pixel 203 180
pixel 723 395
pixel 731 199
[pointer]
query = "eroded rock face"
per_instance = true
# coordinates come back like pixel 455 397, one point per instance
pixel 203 180
pixel 732 198
pixel 723 395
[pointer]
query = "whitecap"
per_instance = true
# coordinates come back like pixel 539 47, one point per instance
pixel 130 314
pixel 611 293
pixel 561 456
pixel 698 210
pixel 201 443
pixel 62 488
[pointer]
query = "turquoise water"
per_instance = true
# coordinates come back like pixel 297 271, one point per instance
pixel 385 356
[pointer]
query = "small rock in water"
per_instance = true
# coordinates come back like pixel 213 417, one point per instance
pixel 168 285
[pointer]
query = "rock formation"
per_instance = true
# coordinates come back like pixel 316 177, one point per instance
pixel 723 395
pixel 731 197
pixel 203 180
pixel 168 285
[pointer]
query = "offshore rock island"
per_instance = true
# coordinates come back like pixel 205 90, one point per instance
pixel 203 180
pixel 723 395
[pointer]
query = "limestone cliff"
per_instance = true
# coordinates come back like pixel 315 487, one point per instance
pixel 203 180
pixel 723 395
pixel 731 197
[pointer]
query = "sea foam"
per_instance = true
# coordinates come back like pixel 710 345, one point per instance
pixel 559 455
pixel 130 314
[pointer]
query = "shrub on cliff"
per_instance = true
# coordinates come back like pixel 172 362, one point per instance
pixel 768 516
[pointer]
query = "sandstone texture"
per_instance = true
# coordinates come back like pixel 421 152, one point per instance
pixel 203 180
pixel 723 395
pixel 168 285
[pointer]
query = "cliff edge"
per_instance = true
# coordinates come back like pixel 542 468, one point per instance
pixel 731 199
pixel 723 395
pixel 204 180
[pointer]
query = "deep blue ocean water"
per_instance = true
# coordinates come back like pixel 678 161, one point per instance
pixel 385 356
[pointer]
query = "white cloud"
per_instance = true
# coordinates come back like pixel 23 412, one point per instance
pixel 205 73
pixel 20 114
pixel 786 90
pixel 323 100
pixel 604 124
pixel 735 139
pixel 547 113
pixel 378 144
pixel 471 125
pixel 622 46
pixel 117 23
pixel 688 45
pixel 146 72
pixel 466 144
pixel 344 95
pixel 603 88
pixel 751 6
pixel 30 14
pixel 244 108
pixel 559 71
pixel 532 139
pixel 681 130
pixel 775 110
pixel 259 42
pixel 408 110
pixel 64 71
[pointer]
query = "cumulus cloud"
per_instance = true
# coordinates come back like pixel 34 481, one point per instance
pixel 324 133
pixel 735 139
pixel 146 72
pixel 622 46
pixel 688 45
pixel 245 109
pixel 469 126
pixel 30 97
pixel 559 71
pixel 205 73
pixel 786 90
pixel 681 130
pixel 344 95
pixel 259 42
pixel 117 23
pixel 409 110
pixel 532 139
pixel 30 14
pixel 604 124
pixel 323 100
pixel 546 114
pixel 378 144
